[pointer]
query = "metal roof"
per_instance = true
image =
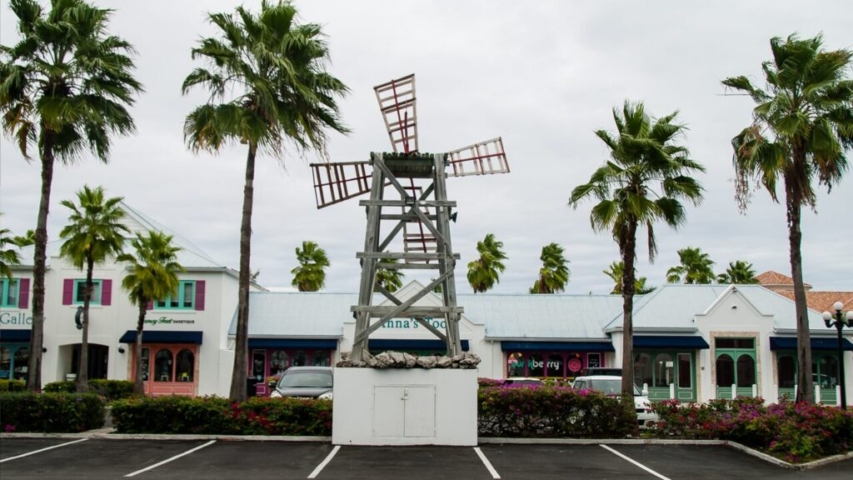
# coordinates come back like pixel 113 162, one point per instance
pixel 670 308
pixel 297 314
pixel 782 308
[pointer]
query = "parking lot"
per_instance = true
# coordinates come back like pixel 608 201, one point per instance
pixel 99 458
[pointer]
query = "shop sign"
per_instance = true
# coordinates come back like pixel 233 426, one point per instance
pixel 412 324
pixel 15 318
pixel 168 321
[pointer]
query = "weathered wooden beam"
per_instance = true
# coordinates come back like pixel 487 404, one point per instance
pixel 405 256
pixel 403 203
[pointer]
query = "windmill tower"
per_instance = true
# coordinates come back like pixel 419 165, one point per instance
pixel 408 194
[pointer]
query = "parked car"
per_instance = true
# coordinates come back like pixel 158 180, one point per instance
pixel 612 385
pixel 305 382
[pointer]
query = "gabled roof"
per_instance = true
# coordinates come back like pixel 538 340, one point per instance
pixel 771 279
pixel 670 307
pixel 824 301
pixel 297 314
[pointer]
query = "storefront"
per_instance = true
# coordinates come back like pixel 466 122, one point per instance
pixel 825 371
pixel 665 365
pixel 561 360
pixel 169 361
pixel 14 354
pixel 272 356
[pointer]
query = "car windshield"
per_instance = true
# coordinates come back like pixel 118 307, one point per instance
pixel 610 386
pixel 306 379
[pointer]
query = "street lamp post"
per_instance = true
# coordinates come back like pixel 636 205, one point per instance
pixel 838 322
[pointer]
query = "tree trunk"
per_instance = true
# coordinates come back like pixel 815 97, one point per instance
pixel 138 387
pixel 39 264
pixel 805 388
pixel 628 247
pixel 83 367
pixel 241 349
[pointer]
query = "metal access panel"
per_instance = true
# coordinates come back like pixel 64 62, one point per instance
pixel 404 411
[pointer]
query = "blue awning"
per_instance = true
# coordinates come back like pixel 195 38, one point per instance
pixel 790 343
pixel 379 344
pixel 305 343
pixel 692 342
pixel 557 346
pixel 162 337
pixel 17 335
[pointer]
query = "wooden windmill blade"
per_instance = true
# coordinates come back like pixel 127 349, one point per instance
pixel 416 236
pixel 397 102
pixel 482 158
pixel 336 182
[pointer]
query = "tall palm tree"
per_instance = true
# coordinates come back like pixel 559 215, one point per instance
pixel 64 88
pixel 739 272
pixel 268 84
pixel 644 181
pixel 94 233
pixel 310 275
pixel 554 274
pixel 8 256
pixel 694 268
pixel 801 127
pixel 614 271
pixel 391 279
pixel 152 276
pixel 484 272
pixel 26 239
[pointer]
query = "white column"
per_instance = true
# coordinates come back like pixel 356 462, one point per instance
pixel 672 391
pixel 838 395
pixel 734 391
pixel 754 390
pixel 817 394
pixel 646 389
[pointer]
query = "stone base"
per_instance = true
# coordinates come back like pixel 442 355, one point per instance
pixel 405 407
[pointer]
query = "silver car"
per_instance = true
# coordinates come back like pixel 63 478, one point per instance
pixel 305 382
pixel 612 385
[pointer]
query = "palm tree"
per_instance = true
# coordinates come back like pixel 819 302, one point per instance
pixel 484 272
pixel 801 127
pixel 26 239
pixel 93 234
pixel 64 87
pixel 268 83
pixel 739 272
pixel 554 274
pixel 643 156
pixel 694 268
pixel 153 275
pixel 615 274
pixel 310 275
pixel 8 256
pixel 391 279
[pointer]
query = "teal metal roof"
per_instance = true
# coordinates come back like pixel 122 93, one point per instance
pixel 297 314
pixel 670 308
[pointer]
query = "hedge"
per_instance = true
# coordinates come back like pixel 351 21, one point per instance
pixel 13 386
pixel 51 412
pixel 219 416
pixel 553 412
pixel 109 389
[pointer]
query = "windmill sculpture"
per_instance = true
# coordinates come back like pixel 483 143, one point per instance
pixel 415 183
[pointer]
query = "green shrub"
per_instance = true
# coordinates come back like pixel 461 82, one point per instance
pixel 60 387
pixel 51 412
pixel 13 385
pixel 109 389
pixel 553 412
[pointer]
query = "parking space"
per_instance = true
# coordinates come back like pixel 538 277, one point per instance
pixel 96 458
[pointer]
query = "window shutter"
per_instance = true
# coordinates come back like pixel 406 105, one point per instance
pixel 106 292
pixel 24 293
pixel 150 305
pixel 68 291
pixel 199 295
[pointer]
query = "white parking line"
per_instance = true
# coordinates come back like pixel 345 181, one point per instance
pixel 152 467
pixel 487 463
pixel 43 450
pixel 325 462
pixel 635 462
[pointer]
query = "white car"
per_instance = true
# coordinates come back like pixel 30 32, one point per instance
pixel 612 385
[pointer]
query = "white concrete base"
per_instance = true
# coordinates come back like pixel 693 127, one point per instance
pixel 405 407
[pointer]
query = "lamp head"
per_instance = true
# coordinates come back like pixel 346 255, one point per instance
pixel 837 306
pixel 827 318
pixel 850 318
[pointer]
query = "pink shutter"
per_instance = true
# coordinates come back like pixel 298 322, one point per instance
pixel 24 293
pixel 199 295
pixel 150 305
pixel 68 291
pixel 106 292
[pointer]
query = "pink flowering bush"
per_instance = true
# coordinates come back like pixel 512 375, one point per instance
pixel 796 432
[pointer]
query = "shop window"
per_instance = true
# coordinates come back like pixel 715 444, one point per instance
pixel 643 369
pixel 185 298
pixel 515 365
pixel 554 368
pixel 163 366
pixel 684 371
pixel 725 371
pixel 185 366
pixel 278 362
pixel 5 362
pixel 536 366
pixel 321 358
pixel 22 359
pixel 747 343
pixel 786 368
pixel 257 366
pixel 146 364
pixel 80 292
pixel 300 359
pixel 9 290
pixel 824 371
pixel 745 371
pixel 663 370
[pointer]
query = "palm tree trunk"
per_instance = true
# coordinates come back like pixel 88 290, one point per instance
pixel 83 368
pixel 138 387
pixel 241 349
pixel 805 389
pixel 39 264
pixel 629 254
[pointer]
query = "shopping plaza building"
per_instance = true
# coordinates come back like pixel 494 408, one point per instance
pixel 691 342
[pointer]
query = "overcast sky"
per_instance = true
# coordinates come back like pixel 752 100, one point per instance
pixel 543 75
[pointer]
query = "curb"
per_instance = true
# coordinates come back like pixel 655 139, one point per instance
pixel 109 434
